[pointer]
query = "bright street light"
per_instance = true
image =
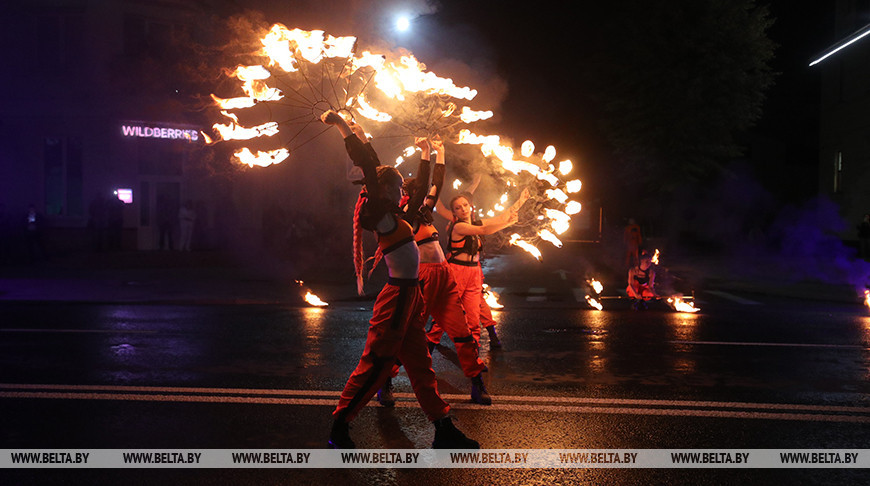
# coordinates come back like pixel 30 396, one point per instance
pixel 403 24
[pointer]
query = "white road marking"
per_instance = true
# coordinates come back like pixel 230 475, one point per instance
pixel 84 331
pixel 732 297
pixel 680 408
pixel 537 298
pixel 782 345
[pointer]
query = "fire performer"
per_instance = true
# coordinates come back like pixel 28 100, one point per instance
pixel 632 238
pixel 440 293
pixel 485 310
pixel 396 329
pixel 641 282
pixel 463 240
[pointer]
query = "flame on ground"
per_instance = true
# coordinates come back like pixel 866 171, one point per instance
pixel 314 300
pixel 594 303
pixel 655 257
pixel 867 297
pixel 680 305
pixel 491 298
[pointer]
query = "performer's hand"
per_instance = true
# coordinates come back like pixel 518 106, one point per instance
pixel 437 144
pixel 331 118
pixel 424 145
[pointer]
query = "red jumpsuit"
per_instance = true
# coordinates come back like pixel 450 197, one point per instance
pixel 469 283
pixel 639 285
pixel 444 304
pixel 396 329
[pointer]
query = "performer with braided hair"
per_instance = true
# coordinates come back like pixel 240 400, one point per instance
pixel 440 293
pixel 396 329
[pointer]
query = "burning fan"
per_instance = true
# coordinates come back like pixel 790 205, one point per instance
pixel 297 75
pixel 305 73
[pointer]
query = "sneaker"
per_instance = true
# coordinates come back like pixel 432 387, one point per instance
pixel 385 394
pixel 478 391
pixel 494 342
pixel 447 436
pixel 339 436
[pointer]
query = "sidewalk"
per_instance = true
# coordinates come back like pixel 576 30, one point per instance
pixel 216 278
pixel 160 277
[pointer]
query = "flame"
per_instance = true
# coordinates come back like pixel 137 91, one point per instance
pixel 314 300
pixel 655 257
pixel 262 159
pixel 409 75
pixel 867 297
pixel 234 103
pixel 596 286
pixel 516 241
pixel 573 186
pixel 237 132
pixel 680 305
pixel 557 194
pixel 368 111
pixel 573 207
pixel 549 153
pixel 456 184
pixel 491 298
pixel 468 115
pixel 548 236
pixel 527 148
pixel 467 137
pixel 565 167
pixel 594 303
pixel 549 177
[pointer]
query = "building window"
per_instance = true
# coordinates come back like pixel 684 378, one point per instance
pixel 62 162
pixel 838 173
pixel 144 36
pixel 59 42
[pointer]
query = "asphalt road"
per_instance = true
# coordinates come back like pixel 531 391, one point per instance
pixel 747 372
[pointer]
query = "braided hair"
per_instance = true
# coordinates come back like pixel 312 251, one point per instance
pixel 385 174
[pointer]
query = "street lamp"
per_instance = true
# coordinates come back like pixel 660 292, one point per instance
pixel 403 23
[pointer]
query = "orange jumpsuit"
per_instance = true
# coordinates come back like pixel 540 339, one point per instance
pixel 469 282
pixel 444 304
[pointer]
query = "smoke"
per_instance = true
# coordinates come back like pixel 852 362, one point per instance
pixel 759 238
pixel 810 246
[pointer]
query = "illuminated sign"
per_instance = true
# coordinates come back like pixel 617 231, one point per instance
pixel 125 195
pixel 144 131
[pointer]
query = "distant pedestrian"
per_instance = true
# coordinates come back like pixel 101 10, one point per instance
pixel 6 232
pixel 165 213
pixel 98 221
pixel 33 235
pixel 186 219
pixel 632 239
pixel 864 237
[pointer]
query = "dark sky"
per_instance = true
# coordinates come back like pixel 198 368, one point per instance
pixel 537 48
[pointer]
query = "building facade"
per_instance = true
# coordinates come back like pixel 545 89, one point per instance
pixel 844 141
pixel 98 132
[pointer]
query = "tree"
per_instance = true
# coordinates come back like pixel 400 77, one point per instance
pixel 675 81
